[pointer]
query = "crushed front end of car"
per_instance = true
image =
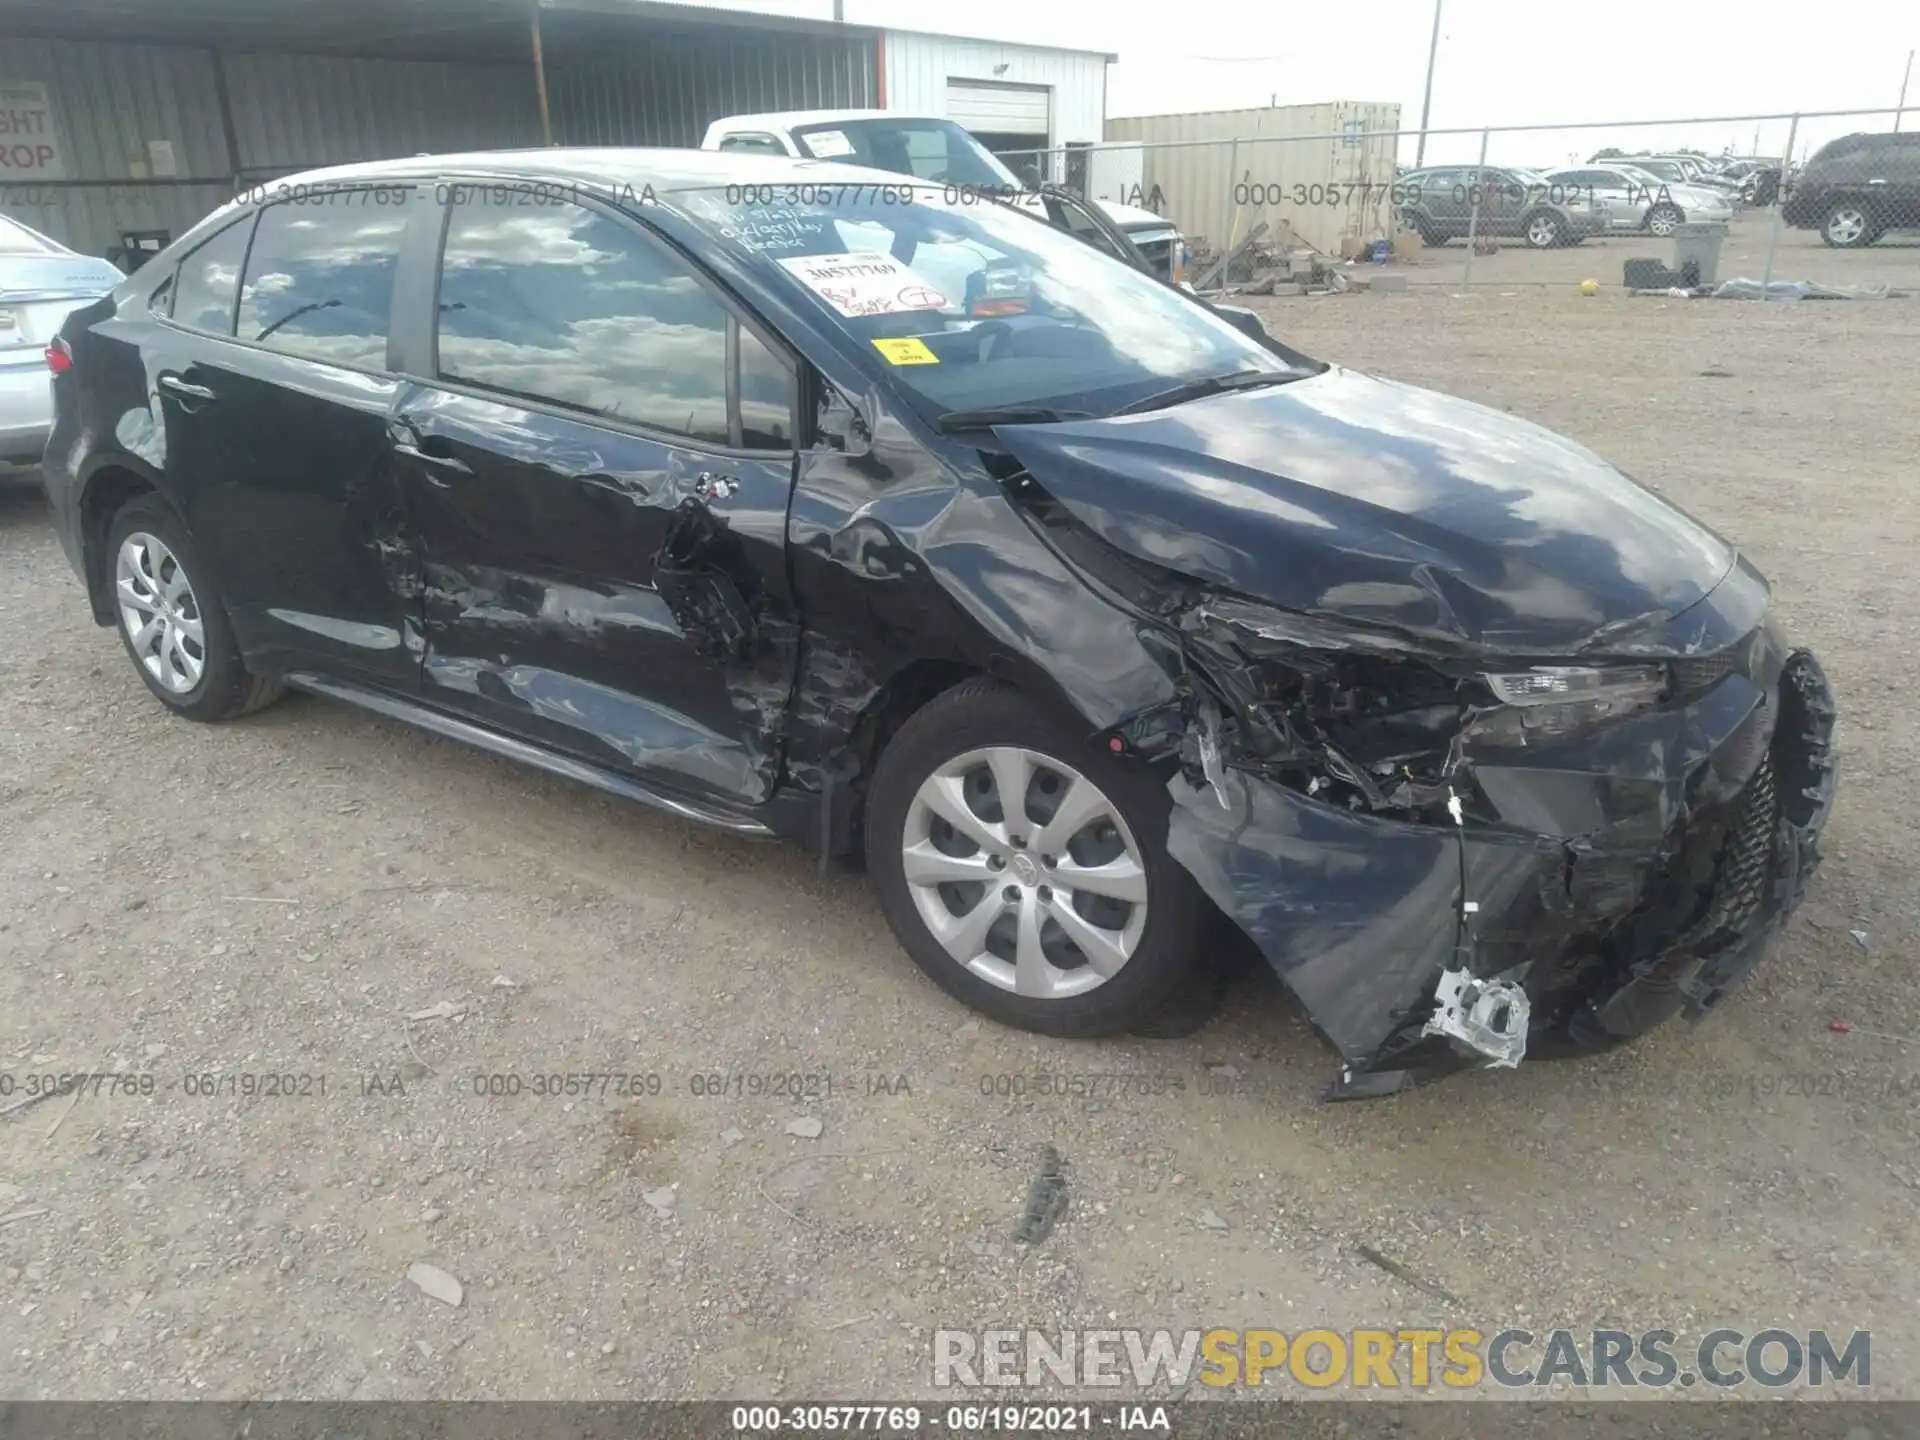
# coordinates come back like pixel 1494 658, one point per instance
pixel 1491 751
pixel 1456 861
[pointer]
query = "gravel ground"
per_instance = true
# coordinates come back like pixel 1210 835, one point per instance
pixel 278 896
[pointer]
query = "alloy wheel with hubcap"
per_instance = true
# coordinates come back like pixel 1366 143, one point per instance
pixel 1664 220
pixel 164 625
pixel 1544 231
pixel 1846 225
pixel 1025 872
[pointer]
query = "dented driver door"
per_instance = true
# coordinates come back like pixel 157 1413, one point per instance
pixel 597 479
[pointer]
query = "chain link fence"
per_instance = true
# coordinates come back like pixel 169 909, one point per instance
pixel 1782 206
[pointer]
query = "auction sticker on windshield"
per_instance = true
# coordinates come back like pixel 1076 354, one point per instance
pixel 906 351
pixel 865 284
pixel 828 144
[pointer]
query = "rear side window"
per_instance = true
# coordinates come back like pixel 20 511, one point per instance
pixel 753 145
pixel 319 280
pixel 559 303
pixel 208 281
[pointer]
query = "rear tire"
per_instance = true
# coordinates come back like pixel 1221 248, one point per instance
pixel 1544 230
pixel 1041 952
pixel 172 619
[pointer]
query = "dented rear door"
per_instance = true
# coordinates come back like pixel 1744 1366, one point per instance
pixel 597 482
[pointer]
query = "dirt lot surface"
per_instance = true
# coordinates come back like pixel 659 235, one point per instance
pixel 277 896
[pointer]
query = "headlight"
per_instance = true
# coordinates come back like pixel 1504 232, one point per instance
pixel 1556 684
pixel 1553 700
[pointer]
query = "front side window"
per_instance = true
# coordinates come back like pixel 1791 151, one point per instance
pixel 319 280
pixel 559 303
pixel 208 281
pixel 975 304
pixel 766 396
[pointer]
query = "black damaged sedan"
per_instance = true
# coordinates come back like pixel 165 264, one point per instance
pixel 814 503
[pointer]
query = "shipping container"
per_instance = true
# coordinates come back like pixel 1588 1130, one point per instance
pixel 1318 174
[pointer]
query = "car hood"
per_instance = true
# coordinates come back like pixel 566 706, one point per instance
pixel 1363 500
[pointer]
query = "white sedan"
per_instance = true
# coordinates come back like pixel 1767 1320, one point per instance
pixel 1641 201
pixel 41 283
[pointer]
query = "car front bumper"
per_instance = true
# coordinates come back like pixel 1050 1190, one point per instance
pixel 1633 873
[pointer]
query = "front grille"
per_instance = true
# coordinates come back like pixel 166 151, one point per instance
pixel 1746 858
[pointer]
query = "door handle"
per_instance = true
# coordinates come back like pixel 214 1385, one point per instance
pixel 451 463
pixel 185 389
pixel 627 487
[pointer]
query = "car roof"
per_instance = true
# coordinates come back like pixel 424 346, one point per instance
pixel 614 166
pixel 618 170
pixel 794 119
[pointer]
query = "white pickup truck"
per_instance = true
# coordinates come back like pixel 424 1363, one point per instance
pixel 929 148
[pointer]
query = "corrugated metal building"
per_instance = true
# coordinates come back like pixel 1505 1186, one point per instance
pixel 142 143
pixel 1324 171
pixel 1017 99
pixel 153 112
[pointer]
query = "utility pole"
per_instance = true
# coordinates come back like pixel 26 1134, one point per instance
pixel 1426 101
pixel 1903 91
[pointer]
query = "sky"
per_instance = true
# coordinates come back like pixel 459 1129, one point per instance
pixel 1500 62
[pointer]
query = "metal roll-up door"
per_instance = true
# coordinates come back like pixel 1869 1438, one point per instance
pixel 1000 109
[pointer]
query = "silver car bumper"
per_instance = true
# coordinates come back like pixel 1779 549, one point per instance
pixel 26 410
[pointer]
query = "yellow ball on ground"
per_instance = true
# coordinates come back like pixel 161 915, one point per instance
pixel 1589 287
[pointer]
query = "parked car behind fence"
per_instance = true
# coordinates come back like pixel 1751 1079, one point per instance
pixel 1447 202
pixel 1857 188
pixel 1637 201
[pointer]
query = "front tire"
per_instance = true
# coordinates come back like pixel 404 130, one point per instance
pixel 172 620
pixel 1847 225
pixel 1027 872
pixel 1663 220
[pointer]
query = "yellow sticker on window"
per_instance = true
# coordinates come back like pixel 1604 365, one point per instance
pixel 906 352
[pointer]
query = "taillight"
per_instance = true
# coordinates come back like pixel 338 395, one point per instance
pixel 59 358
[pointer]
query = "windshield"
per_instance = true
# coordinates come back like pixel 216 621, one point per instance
pixel 976 305
pixel 936 150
